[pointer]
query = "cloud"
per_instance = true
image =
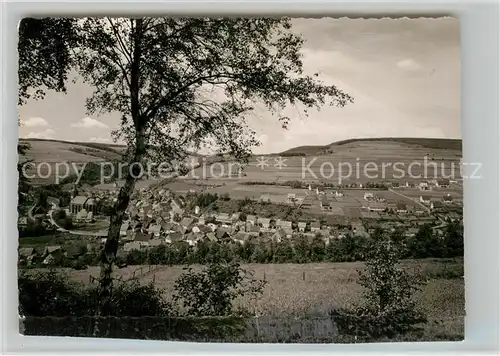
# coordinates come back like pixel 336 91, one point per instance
pixel 409 64
pixel 45 134
pixel 89 123
pixel 35 122
pixel 100 139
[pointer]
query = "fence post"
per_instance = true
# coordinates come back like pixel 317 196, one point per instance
pixel 303 275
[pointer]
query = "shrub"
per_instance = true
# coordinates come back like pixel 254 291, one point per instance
pixel 388 309
pixel 52 294
pixel 212 291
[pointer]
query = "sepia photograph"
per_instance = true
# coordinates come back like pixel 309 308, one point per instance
pixel 241 179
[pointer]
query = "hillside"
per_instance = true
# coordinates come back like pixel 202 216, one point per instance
pixel 430 143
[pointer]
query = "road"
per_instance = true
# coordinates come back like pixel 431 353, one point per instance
pixel 50 214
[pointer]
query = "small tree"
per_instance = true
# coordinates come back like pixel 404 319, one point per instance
pixel 212 291
pixel 388 309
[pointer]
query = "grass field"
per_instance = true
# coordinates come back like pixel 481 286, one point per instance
pixel 295 290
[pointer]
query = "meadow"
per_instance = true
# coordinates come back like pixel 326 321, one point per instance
pixel 312 290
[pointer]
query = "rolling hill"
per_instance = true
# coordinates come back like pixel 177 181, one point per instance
pixel 430 143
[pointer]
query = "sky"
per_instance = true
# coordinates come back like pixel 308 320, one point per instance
pixel 404 75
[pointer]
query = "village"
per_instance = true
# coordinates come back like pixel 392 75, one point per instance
pixel 159 216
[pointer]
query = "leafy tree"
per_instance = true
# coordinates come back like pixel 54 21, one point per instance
pixel 24 187
pixel 45 58
pixel 156 72
pixel 453 239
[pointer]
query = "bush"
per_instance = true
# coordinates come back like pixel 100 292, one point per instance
pixel 212 291
pixel 52 294
pixel 388 309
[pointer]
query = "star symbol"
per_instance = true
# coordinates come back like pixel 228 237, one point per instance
pixel 262 162
pixel 280 162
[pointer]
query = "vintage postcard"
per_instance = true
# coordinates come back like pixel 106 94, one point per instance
pixel 249 180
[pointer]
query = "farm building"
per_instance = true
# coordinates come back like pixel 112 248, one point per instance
pixel 401 207
pixel 425 199
pixel 437 204
pixel 448 199
pixel 325 205
pixel 424 186
pixel 443 183
pixel 291 198
pixel 315 226
pixel 301 226
pixel 368 196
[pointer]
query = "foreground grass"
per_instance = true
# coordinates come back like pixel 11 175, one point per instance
pixel 312 290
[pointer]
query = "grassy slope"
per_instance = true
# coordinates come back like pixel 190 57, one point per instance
pixel 432 143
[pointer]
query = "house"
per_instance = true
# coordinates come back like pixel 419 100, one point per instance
pixel 253 230
pixel 368 196
pixel 284 224
pixel 401 208
pixel 186 223
pixel 437 204
pixel 264 222
pixel 90 205
pixel 124 228
pixel 279 236
pixel 77 204
pixel 223 218
pixel 81 215
pixel 424 186
pixel 241 237
pixel 288 232
pixel 222 234
pixel 301 226
pixel 291 197
pixel 324 232
pixel 192 239
pixel 235 217
pixel 142 238
pixel 211 237
pixel 51 250
pixel 425 199
pixel 265 198
pixel 22 222
pixel 130 246
pixel 447 199
pixel 443 183
pixel 73 251
pixel 25 252
pixel 155 230
pixel 155 242
pixel 252 219
pixel 315 226
pixel 174 237
pixel 325 205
